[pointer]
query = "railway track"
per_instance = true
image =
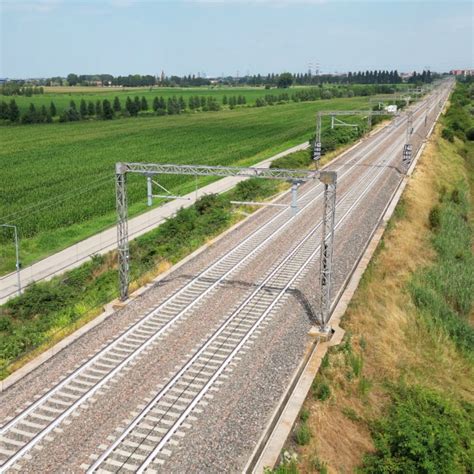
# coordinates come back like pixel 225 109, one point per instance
pixel 29 427
pixel 141 443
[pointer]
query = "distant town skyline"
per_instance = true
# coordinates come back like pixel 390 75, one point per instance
pixel 45 38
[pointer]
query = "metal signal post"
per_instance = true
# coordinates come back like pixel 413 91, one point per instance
pixel 122 229
pixel 407 153
pixel 409 126
pixel 317 152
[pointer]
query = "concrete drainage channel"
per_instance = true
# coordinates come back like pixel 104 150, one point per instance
pixel 268 450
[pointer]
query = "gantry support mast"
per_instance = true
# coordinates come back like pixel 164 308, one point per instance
pixel 328 178
pixel 122 229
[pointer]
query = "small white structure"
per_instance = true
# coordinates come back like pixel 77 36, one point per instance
pixel 391 109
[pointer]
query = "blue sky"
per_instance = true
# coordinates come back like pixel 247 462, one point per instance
pixel 41 38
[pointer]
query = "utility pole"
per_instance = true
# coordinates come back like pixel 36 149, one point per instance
pixel 294 197
pixel 17 252
pixel 149 191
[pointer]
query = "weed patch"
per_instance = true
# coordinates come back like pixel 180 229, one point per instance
pixel 422 432
pixel 321 390
pixel 302 434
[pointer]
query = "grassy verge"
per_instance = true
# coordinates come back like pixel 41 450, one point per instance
pixel 397 395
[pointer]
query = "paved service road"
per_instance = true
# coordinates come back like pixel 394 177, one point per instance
pixel 105 241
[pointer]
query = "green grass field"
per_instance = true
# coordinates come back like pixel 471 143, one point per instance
pixel 57 180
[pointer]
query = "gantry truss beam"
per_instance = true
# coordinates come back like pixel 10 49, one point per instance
pixel 354 112
pixel 220 171
pixel 328 178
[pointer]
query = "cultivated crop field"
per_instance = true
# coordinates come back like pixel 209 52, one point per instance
pixel 57 180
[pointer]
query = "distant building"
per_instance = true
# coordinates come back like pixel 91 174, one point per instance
pixel 462 72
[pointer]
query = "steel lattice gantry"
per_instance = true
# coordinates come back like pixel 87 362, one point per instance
pixel 335 113
pixel 328 178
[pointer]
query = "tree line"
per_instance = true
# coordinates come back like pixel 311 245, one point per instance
pixel 284 79
pixel 13 88
pixel 374 77
pixel 425 78
pixel 107 110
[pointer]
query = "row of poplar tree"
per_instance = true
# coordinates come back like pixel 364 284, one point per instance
pixel 106 110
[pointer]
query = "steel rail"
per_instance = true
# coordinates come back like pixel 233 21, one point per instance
pixel 48 428
pixel 208 342
pixel 179 421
